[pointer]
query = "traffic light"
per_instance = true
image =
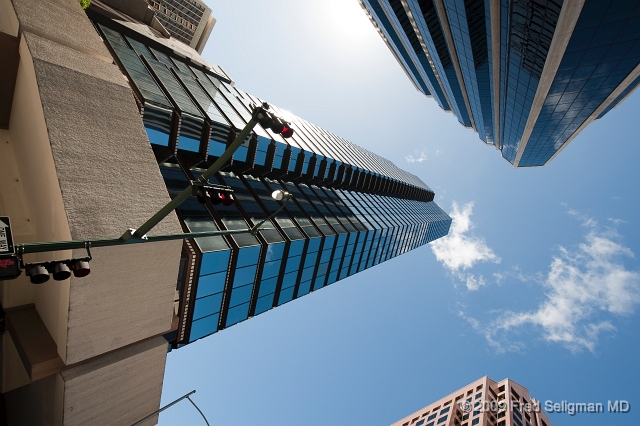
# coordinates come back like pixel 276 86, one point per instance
pixel 61 271
pixel 80 268
pixel 40 272
pixel 215 194
pixel 9 267
pixel 269 120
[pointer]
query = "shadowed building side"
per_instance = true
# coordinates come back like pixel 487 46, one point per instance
pixel 527 75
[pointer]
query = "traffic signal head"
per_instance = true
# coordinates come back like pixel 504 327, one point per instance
pixel 270 121
pixel 282 127
pixel 216 194
pixel 202 195
pixel 265 119
pixel 215 197
pixel 287 132
pixel 38 273
pixel 80 268
pixel 227 199
pixel 61 271
pixel 278 125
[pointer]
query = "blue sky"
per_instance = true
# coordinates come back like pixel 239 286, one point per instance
pixel 538 281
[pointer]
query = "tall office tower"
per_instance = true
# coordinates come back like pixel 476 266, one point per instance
pixel 484 403
pixel 527 75
pixel 189 21
pixel 351 209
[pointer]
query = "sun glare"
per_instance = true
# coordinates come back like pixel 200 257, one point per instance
pixel 346 24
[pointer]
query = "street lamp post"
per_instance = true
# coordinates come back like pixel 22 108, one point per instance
pixel 172 404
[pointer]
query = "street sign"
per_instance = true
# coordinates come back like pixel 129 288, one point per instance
pixel 6 240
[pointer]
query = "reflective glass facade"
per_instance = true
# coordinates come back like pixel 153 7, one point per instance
pixel 350 210
pixel 527 84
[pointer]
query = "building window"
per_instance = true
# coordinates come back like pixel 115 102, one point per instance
pixel 442 420
pixel 475 421
pixel 515 394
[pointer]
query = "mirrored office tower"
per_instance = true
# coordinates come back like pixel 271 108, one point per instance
pixel 351 209
pixel 483 403
pixel 526 75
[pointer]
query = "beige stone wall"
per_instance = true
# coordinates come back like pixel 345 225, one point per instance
pixel 8 19
pixel 76 164
pixel 117 389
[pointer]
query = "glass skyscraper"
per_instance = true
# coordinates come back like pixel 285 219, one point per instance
pixel 527 75
pixel 351 209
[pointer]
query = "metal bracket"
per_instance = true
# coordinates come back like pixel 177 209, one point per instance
pixel 129 236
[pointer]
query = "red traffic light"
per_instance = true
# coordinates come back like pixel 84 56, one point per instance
pixel 270 121
pixel 227 199
pixel 213 193
pixel 80 268
pixel 287 132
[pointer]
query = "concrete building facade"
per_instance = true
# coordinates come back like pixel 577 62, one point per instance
pixel 527 75
pixel 484 403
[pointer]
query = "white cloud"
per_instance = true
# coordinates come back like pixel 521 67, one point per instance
pixel 585 286
pixel 616 222
pixel 459 251
pixel 513 273
pixel 474 283
pixel 418 158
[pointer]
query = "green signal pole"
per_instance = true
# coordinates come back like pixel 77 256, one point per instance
pixel 132 236
pixel 215 167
